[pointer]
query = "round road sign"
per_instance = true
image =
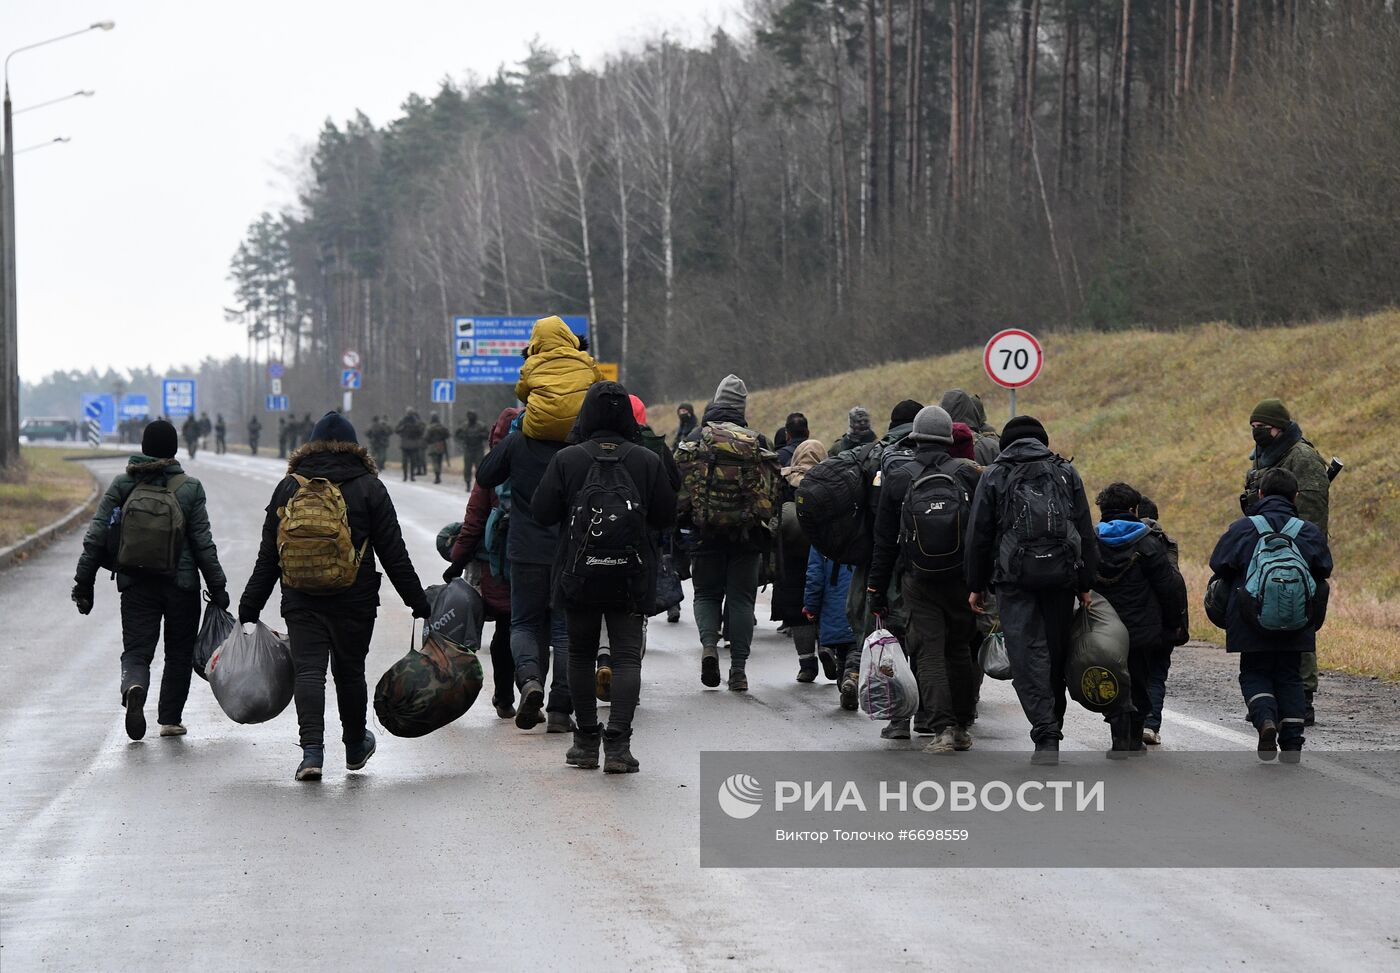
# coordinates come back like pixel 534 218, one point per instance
pixel 351 359
pixel 1013 358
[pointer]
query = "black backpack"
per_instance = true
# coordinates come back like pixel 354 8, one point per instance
pixel 604 566
pixel 1040 545
pixel 831 507
pixel 933 520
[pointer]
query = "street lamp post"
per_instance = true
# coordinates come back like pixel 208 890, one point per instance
pixel 9 332
pixel 54 101
pixel 44 145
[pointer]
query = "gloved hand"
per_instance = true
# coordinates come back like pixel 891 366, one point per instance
pixel 453 572
pixel 808 614
pixel 877 601
pixel 82 597
pixel 247 616
pixel 422 609
pixel 219 597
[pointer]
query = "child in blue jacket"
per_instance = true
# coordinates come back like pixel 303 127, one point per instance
pixel 824 603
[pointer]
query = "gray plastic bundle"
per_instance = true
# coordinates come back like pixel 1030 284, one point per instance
pixel 992 657
pixel 887 688
pixel 252 675
pixel 218 625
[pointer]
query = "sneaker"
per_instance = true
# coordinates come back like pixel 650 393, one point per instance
pixel 942 742
pixel 850 695
pixel 602 682
pixel 1047 753
pixel 738 681
pixel 310 766
pixel 357 755
pixel 560 723
pixel 135 717
pixel 962 739
pixel 895 730
pixel 1268 740
pixel 1151 736
pixel 709 668
pixel 531 702
pixel 172 730
pixel 828 660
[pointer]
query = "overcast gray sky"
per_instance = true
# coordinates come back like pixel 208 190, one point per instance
pixel 203 107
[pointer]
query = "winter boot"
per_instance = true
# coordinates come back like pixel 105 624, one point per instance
pixel 673 616
pixel 807 670
pixel 531 702
pixel 1047 753
pixel 505 711
pixel 617 752
pixel 828 660
pixel 895 730
pixel 962 739
pixel 1136 731
pixel 850 696
pixel 738 681
pixel 358 754
pixel 135 716
pixel 804 640
pixel 1268 740
pixel 559 723
pixel 310 766
pixel 584 753
pixel 1121 729
pixel 709 666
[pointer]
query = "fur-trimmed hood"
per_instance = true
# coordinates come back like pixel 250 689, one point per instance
pixel 324 457
pixel 140 465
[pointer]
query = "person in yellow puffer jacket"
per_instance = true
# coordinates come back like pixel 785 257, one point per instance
pixel 556 376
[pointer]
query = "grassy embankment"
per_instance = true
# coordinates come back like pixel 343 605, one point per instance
pixel 1169 413
pixel 51 487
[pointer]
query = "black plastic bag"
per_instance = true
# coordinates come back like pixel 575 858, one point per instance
pixel 457 615
pixel 252 674
pixel 669 593
pixel 218 625
pixel 1096 671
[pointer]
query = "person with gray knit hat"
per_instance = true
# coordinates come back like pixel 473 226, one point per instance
pixel 925 503
pixel 725 562
pixel 1279 444
pixel 858 433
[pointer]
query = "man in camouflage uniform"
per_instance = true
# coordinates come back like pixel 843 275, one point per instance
pixel 1279 444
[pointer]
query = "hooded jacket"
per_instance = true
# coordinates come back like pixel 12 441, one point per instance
pixel 554 380
pixel 1291 452
pixel 495 592
pixel 1230 561
pixel 789 587
pixel 522 460
pixel 982 565
pixel 1136 575
pixel 411 431
pixel 827 585
pixel 896 479
pixel 372 517
pixel 606 418
pixel 199 555
pixel 969 410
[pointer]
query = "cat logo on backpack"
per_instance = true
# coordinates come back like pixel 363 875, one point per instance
pixel 314 546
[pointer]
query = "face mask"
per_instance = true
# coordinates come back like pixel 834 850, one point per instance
pixel 1263 436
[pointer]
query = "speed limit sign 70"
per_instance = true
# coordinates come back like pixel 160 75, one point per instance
pixel 1013 358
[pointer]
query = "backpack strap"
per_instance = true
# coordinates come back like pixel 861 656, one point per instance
pixel 1261 525
pixel 174 483
pixel 1292 529
pixel 601 456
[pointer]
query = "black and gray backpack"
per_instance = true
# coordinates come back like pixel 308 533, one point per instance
pixel 604 565
pixel 1040 545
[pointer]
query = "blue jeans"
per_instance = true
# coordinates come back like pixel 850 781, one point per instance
pixel 1159 664
pixel 534 628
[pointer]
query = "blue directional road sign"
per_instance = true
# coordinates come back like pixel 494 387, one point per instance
pixel 136 407
pixel 276 403
pixel 350 379
pixel 102 408
pixel 179 396
pixel 275 370
pixel 487 349
pixel 444 391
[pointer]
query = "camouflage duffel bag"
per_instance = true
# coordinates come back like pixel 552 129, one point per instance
pixel 428 688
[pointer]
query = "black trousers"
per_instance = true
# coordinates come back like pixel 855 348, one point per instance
pixel 410 464
pixel 146 604
pixel 941 626
pixel 342 641
pixel 502 665
pixel 625 636
pixel 1037 626
pixel 1272 684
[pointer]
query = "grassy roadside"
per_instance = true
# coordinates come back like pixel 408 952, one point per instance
pixel 52 487
pixel 1168 412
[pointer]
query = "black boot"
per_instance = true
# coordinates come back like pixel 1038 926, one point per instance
pixel 584 753
pixel 1121 728
pixel 1135 742
pixel 617 753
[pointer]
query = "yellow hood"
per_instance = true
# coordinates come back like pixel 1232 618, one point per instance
pixel 551 334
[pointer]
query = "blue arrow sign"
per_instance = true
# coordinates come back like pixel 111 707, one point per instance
pixel 350 379
pixel 444 391
pixel 276 403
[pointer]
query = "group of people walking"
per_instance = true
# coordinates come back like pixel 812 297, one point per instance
pixel 582 520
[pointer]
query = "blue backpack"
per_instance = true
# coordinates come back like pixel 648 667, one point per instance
pixel 1279 589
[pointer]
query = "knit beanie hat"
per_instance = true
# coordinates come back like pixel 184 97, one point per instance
pixel 160 440
pixel 1024 427
pixel 859 419
pixel 933 425
pixel 964 446
pixel 904 412
pixel 731 393
pixel 333 428
pixel 1272 412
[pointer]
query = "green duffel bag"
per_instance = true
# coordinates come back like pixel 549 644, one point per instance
pixel 1096 671
pixel 427 689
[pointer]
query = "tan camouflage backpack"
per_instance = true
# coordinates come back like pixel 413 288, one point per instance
pixel 728 480
pixel 313 539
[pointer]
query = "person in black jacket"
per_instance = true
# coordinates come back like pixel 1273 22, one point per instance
pixel 1138 579
pixel 941 623
pixel 685 415
pixel 335 628
pixel 147 600
pixel 1270 678
pixel 606 429
pixel 797 433
pixel 1036 620
pixel 531 547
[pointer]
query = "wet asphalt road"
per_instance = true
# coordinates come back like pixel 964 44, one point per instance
pixel 476 846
